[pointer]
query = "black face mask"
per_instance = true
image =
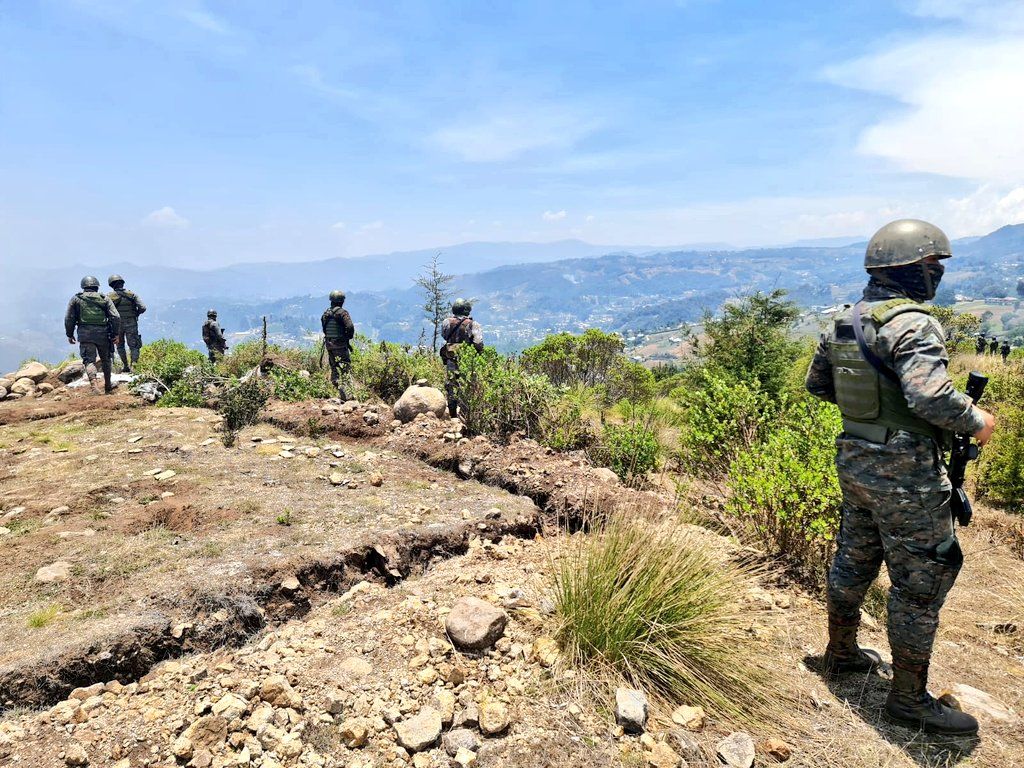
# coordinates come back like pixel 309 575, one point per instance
pixel 917 281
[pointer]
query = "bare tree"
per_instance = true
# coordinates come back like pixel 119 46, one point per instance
pixel 436 288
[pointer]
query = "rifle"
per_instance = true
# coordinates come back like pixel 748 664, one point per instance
pixel 964 451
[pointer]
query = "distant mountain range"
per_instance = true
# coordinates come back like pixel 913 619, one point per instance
pixel 522 291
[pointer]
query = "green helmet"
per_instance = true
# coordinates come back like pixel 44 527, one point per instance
pixel 461 307
pixel 114 279
pixel 211 313
pixel 906 241
pixel 337 298
pixel 90 283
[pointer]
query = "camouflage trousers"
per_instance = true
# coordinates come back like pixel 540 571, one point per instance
pixel 909 527
pixel 215 352
pixel 90 351
pixel 130 337
pixel 339 358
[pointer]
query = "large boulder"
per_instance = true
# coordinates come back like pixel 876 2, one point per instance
pixel 33 370
pixel 23 386
pixel 73 370
pixel 474 624
pixel 419 399
pixel 6 382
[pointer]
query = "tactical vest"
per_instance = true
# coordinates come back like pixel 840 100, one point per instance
pixel 333 327
pixel 92 308
pixel 869 401
pixel 461 332
pixel 125 304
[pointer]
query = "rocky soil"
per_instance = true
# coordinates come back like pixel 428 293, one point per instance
pixel 342 589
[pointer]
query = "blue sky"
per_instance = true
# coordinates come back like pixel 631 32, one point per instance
pixel 205 133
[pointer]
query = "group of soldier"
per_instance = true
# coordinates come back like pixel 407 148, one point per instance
pixel 981 346
pixel 108 322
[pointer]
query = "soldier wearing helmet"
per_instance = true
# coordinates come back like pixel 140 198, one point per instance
pixel 883 362
pixel 213 337
pixel 338 333
pixel 129 307
pixel 456 330
pixel 97 322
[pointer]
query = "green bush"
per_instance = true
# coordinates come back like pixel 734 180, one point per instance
pixel 784 493
pixel 166 361
pixel 721 418
pixel 292 386
pixel 386 370
pixel 188 391
pixel 240 405
pixel 646 602
pixel 629 381
pixel 630 450
pixel 498 398
pixel 568 424
pixel 243 357
pixel 569 360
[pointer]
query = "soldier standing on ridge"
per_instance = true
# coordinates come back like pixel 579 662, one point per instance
pixel 884 364
pixel 993 346
pixel 95 318
pixel 456 330
pixel 213 337
pixel 979 346
pixel 338 334
pixel 129 307
pixel 1004 350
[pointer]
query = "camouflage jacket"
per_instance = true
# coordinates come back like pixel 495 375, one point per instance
pixel 342 318
pixel 73 313
pixel 458 330
pixel 128 304
pixel 912 344
pixel 213 334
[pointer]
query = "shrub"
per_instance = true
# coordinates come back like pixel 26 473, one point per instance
pixel 568 423
pixel 722 417
pixel 240 405
pixel 166 361
pixel 630 450
pixel 292 386
pixel 1000 470
pixel 644 601
pixel 498 398
pixel 784 493
pixel 568 360
pixel 386 370
pixel 630 381
pixel 187 391
pixel 243 357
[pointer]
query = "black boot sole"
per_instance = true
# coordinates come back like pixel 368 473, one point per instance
pixel 915 724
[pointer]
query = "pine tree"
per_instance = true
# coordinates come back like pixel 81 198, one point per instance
pixel 436 288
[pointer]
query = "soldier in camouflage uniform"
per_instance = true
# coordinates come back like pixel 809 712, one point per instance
pixel 338 334
pixel 993 346
pixel 899 407
pixel 213 337
pixel 980 344
pixel 95 318
pixel 1004 350
pixel 456 330
pixel 129 307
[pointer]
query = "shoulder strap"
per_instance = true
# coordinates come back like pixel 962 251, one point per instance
pixel 887 310
pixel 873 360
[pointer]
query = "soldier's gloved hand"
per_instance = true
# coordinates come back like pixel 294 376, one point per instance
pixel 984 434
pixel 71 340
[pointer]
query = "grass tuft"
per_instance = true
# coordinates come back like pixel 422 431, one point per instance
pixel 43 617
pixel 646 602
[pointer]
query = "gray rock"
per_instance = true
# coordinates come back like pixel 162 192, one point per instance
pixel 631 709
pixel 421 731
pixel 6 382
pixel 35 371
pixel 474 625
pixel 467 718
pixel 71 371
pixel 460 738
pixel 57 571
pixel 75 755
pixel 418 400
pixel 736 750
pixel 3 392
pixel 23 386
pixel 685 744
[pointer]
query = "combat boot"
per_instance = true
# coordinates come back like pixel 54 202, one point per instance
pixel 125 366
pixel 911 705
pixel 843 655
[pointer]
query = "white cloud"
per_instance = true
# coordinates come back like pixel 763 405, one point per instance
pixel 165 218
pixel 339 225
pixel 510 131
pixel 372 225
pixel 204 20
pixel 958 115
pixel 589 218
pixel 553 215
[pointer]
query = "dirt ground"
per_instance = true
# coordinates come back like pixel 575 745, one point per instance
pixel 220 550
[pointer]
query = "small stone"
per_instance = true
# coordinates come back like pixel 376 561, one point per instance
pixel 376 479
pixel 467 718
pixel 277 691
pixel 778 749
pixel 970 699
pixel 546 651
pixel 736 750
pixel 494 718
pixel 691 718
pixel 182 748
pixel 460 738
pixel 59 511
pixel 167 474
pixel 354 733
pixel 56 571
pixel 354 666
pixel 445 703
pixel 464 758
pixel 631 709
pixel 474 625
pixel 661 755
pixel 75 755
pixel 427 676
pixel 291 585
pixel 207 732
pixel 230 706
pixel 421 731
pixel 336 478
